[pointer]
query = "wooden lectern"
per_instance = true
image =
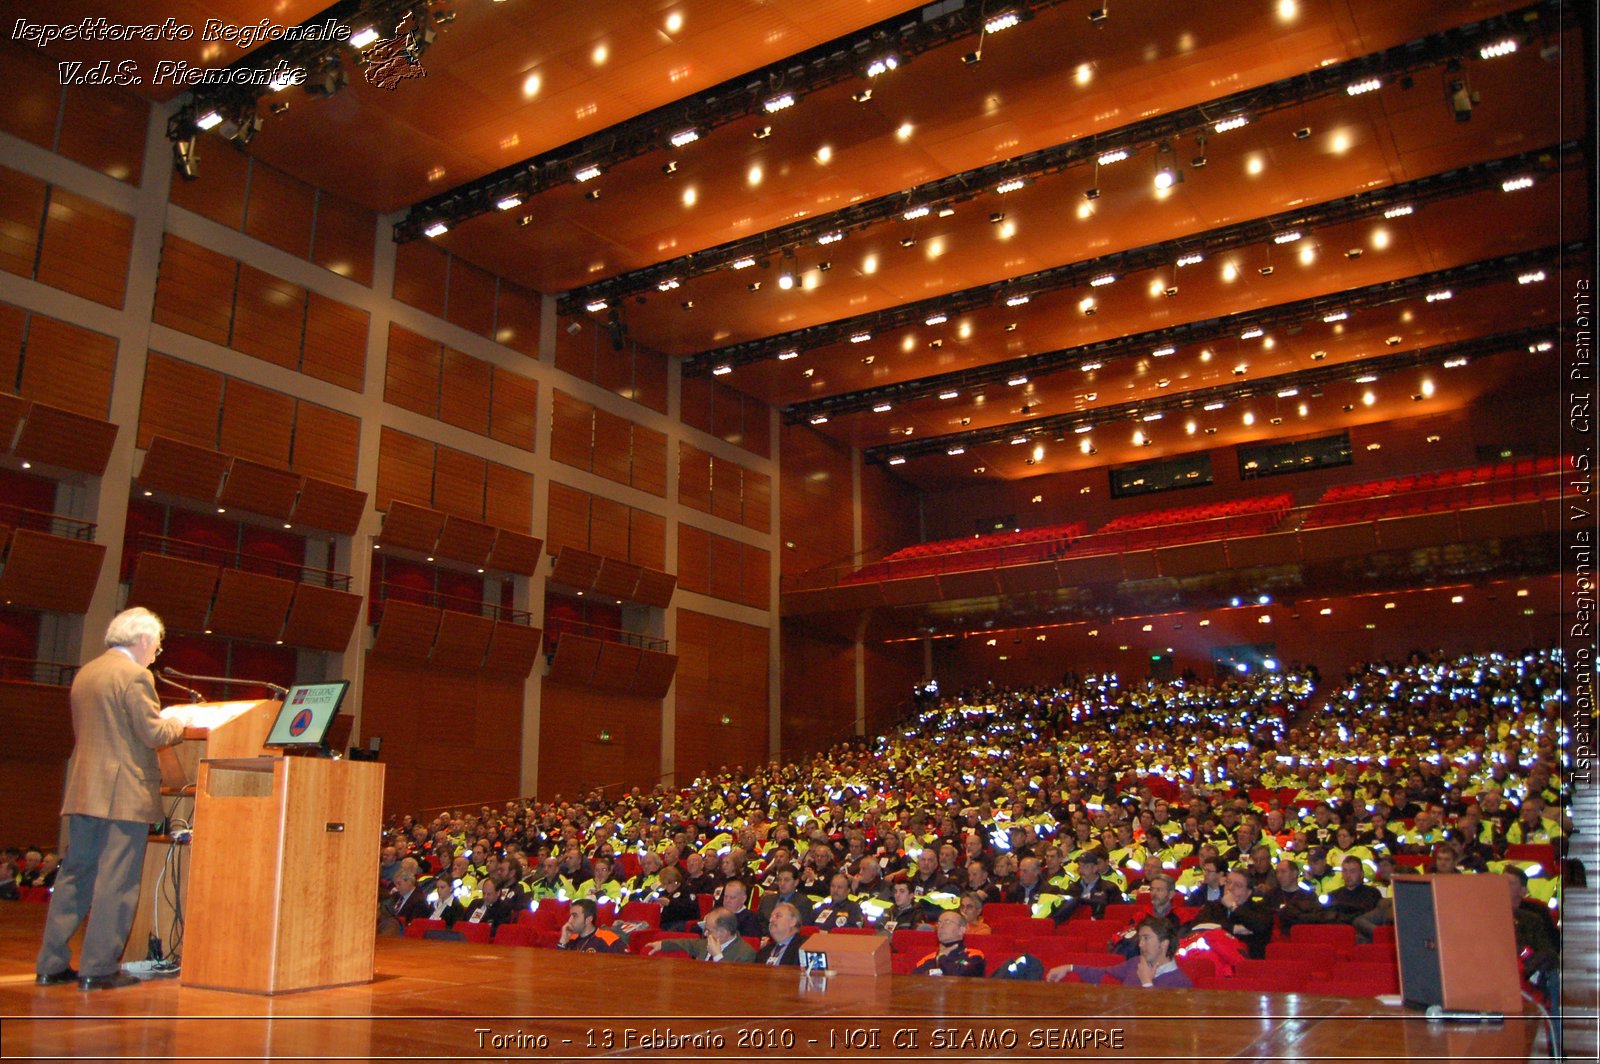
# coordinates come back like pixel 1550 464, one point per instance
pixel 215 729
pixel 280 889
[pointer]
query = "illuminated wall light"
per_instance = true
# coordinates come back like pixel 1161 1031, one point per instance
pixel 882 408
pixel 1138 438
pixel 1086 445
pixel 1367 399
pixel 824 154
pixel 506 203
pixel 1389 605
pixel 1360 88
pixel 685 136
pixel 1516 184
pixel 1338 315
pixel 945 212
pixel 1458 599
pixel 1103 280
pixel 1265 618
pixel 1427 386
pixel 1148 628
pixel 1017 301
pixel 915 212
pixel 1287 238
pixel 897 460
pixel 595 306
pixel 1400 211
pixel 830 238
pixel 1535 349
pixel 1231 123
pixel 722 370
pixel 1003 21
pixel 1113 157
pixel 1011 186
pixel 860 338
pixel 1533 277
pixel 1380 238
pixel 1017 382
pixel 1249 418
pixel 1190 260
pixel 1439 296
pixel 587 173
pixel 1190 427
pixel 1252 334
pixel 1522 592
pixel 784 356
pixel 210 120
pixel 953 451
pixel 949 395
pixel 437 229
pixel 1163 352
pixel 1205 624
pixel 1488 51
pixel 819 419
pixel 779 103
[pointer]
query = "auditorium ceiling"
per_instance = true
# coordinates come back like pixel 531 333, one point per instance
pixel 1359 196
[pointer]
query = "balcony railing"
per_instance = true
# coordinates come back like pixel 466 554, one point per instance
pixel 460 604
pixel 14 516
pixel 26 670
pixel 555 629
pixel 146 543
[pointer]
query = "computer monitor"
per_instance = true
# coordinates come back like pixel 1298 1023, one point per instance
pixel 307 713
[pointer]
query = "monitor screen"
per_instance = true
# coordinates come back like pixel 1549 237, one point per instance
pixel 307 712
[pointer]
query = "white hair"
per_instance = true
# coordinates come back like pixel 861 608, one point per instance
pixel 126 627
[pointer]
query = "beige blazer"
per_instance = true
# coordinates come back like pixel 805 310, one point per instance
pixel 118 727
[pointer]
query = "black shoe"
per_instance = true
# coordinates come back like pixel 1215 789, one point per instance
pixel 107 982
pixel 65 975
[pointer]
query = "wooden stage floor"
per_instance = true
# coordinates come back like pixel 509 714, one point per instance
pixel 457 1001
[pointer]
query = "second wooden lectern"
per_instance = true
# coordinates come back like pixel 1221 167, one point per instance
pixel 282 872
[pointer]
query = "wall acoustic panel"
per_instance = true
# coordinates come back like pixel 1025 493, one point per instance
pixel 513 649
pixel 182 469
pixel 465 541
pixel 574 659
pixel 46 572
pixel 260 489
pixel 62 438
pixel 250 606
pixel 463 640
pixel 178 590
pixel 514 552
pixel 407 630
pixel 68 367
pixel 321 618
pixel 412 527
pixel 331 507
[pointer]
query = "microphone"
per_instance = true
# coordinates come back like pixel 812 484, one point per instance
pixel 274 688
pixel 190 691
pixel 1440 1014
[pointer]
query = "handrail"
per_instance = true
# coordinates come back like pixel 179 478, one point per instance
pixel 1461 497
pixel 439 600
pixel 43 521
pixel 558 627
pixel 28 670
pixel 149 543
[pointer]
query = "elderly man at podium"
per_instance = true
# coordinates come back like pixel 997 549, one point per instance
pixel 113 795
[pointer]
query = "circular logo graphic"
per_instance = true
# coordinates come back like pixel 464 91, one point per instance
pixel 302 721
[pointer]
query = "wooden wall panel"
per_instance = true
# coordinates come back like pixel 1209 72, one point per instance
pixel 464 392
pixel 727 414
pixel 571 431
pixel 194 292
pixel 650 379
pixel 344 238
pixel 103 128
pixel 458 483
pixel 220 196
pixel 12 322
pixel 722 673
pixel 568 522
pixel 575 354
pixel 470 302
pixel 613 443
pixel 819 689
pixel 31 104
pixel 608 528
pixel 516 319
pixel 335 348
pixel 727 569
pixel 326 443
pixel 411 373
pixel 572 757
pixel 39 726
pixel 694 477
pixel 757 428
pixel 268 318
pixel 755 588
pixel 647 539
pixel 513 408
pixel 757 512
pixel 650 461
pixel 85 248
pixel 420 270
pixel 21 211
pixel 68 367
pixel 694 559
pixel 405 469
pixel 727 489
pixel 694 403
pixel 614 372
pixel 815 499
pixel 509 498
pixel 257 423
pixel 181 401
pixel 280 210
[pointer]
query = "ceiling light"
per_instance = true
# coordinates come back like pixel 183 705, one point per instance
pixel 210 120
pixel 1090 367
pixel 958 449
pixel 1191 260
pixel 1152 417
pixel 1230 123
pixel 1214 406
pixel 882 408
pixel 786 279
pixel 436 229
pixel 1113 156
pixel 587 173
pixel 819 419
pixel 1091 193
pixel 1017 301
pixel 1488 51
pixel 1251 334
pixel 1440 295
pixel 1163 352
pixel 368 34
pixel 685 136
pixel 1516 184
pixel 1018 440
pixel 507 203
pixel 1338 315
pixel 897 460
pixel 908 241
pixel 882 65
pixel 1533 277
pixel 861 97
pixel 949 395
pixel 860 338
pixel 595 305
pixel 722 370
pixel 1359 88
pixel 784 356
pixel 741 264
pixel 1016 382
pixel 1288 393
pixel 761 132
pixel 668 285
pixel 1103 280
pixel 1367 378
pixel 1454 363
pixel 1011 186
pixel 937 319
pixel 914 213
pixel 1006 19
pixel 1166 177
pixel 779 103
pixel 830 238
pixel 1287 238
pixel 1400 211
